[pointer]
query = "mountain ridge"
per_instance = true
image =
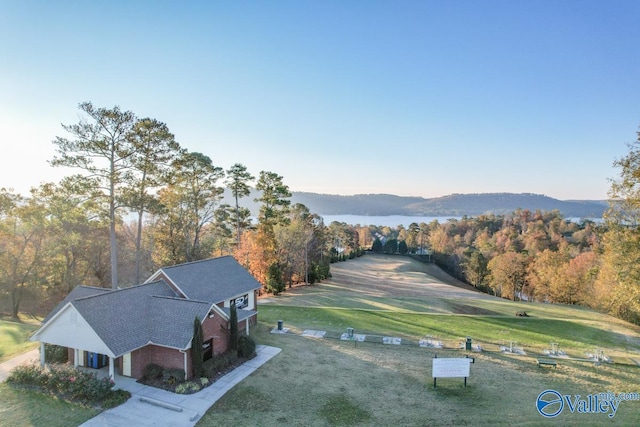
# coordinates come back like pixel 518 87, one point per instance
pixel 456 204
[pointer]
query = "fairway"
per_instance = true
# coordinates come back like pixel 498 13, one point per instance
pixel 324 381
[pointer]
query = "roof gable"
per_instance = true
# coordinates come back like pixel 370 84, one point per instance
pixel 77 292
pixel 69 328
pixel 213 280
pixel 121 318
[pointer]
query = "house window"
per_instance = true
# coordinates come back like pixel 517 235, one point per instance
pixel 207 350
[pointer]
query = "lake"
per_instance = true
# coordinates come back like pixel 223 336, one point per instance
pixel 387 220
pixel 395 220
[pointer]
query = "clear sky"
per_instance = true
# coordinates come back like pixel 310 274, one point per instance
pixel 418 98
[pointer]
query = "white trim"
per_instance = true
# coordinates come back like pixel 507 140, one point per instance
pixel 35 335
pixel 156 276
pixel 58 330
pixel 111 369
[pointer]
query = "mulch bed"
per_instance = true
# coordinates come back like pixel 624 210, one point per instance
pixel 164 385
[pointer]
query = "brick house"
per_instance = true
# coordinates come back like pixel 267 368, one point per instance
pixel 129 328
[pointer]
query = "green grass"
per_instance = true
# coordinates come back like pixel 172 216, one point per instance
pixel 14 338
pixel 21 408
pixel 327 382
pixel 536 333
pixel 323 382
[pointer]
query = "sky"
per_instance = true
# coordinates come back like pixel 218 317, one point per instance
pixel 414 98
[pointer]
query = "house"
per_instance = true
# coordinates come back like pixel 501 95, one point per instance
pixel 129 328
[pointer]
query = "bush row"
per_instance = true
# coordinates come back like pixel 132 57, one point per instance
pixel 69 383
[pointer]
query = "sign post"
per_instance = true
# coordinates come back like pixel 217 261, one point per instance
pixel 451 368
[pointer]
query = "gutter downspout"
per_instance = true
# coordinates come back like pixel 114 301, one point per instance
pixel 185 363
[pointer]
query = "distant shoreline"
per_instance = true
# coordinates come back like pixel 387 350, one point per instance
pixel 405 220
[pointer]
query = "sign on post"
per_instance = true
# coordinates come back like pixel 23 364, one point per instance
pixel 457 367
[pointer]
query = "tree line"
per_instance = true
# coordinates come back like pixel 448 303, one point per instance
pixel 541 256
pixel 136 201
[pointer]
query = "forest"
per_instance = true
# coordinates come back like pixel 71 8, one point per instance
pixel 138 201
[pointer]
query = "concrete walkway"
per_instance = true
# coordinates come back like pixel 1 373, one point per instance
pixel 32 356
pixel 149 406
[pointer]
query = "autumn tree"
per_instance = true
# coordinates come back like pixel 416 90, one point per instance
pixel 619 281
pixel 22 236
pixel 74 229
pixel 475 268
pixel 508 274
pixel 100 147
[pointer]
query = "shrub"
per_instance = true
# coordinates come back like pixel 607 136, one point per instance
pixel 172 376
pixel 188 387
pixel 55 353
pixel 69 383
pixel 219 363
pixel 152 371
pixel 246 347
pixel 32 375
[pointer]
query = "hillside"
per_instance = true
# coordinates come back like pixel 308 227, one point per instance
pixel 452 205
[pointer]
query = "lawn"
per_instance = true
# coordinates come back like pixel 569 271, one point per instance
pixel 20 408
pixel 14 337
pixel 325 382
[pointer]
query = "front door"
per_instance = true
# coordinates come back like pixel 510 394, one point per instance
pixel 126 364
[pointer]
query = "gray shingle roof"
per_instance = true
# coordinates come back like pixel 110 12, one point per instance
pixel 214 280
pixel 130 318
pixel 172 320
pixel 121 318
pixel 77 292
pixel 242 313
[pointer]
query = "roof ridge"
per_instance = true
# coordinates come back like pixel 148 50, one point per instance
pixel 182 299
pixel 113 291
pixel 196 262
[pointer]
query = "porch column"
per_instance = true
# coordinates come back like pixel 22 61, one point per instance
pixel 42 355
pixel 111 369
pixel 246 322
pixel 76 357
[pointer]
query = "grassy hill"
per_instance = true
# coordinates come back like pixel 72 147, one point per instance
pixel 328 381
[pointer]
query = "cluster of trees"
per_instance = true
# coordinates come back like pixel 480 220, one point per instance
pixel 541 256
pixel 139 201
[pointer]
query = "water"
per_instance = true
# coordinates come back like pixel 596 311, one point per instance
pixel 404 220
pixel 387 220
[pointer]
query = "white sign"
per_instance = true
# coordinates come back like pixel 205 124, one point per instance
pixel 451 367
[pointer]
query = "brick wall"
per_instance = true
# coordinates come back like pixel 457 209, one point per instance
pixel 168 358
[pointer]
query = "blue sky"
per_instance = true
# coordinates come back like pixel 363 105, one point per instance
pixel 419 98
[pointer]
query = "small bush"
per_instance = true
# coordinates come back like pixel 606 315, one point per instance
pixel 188 387
pixel 68 383
pixel 219 363
pixel 173 376
pixel 32 375
pixel 55 353
pixel 152 371
pixel 246 347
